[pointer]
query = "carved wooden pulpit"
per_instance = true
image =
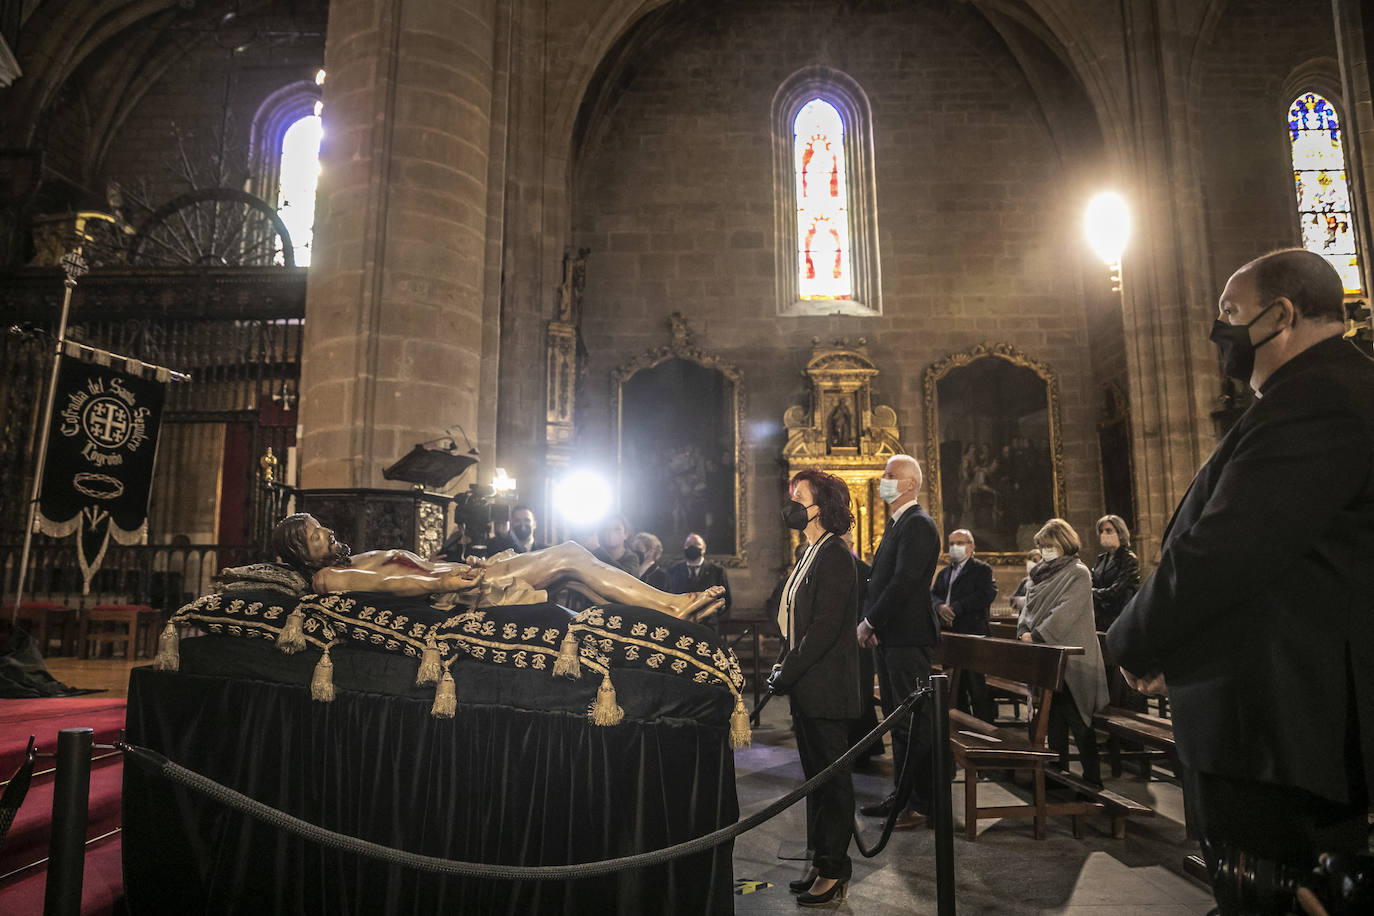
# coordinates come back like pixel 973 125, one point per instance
pixel 842 432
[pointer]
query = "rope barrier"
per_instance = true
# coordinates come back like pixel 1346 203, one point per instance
pixel 158 764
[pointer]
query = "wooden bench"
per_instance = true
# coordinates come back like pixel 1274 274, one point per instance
pixel 1120 723
pixel 978 746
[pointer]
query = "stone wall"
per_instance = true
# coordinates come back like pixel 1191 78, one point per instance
pixel 1261 54
pixel 979 226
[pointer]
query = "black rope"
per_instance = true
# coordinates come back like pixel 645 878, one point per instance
pixel 160 765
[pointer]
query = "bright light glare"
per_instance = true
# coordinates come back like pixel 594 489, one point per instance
pixel 319 77
pixel 582 497
pixel 501 482
pixel 1107 225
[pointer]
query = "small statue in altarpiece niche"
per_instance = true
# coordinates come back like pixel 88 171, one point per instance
pixel 840 427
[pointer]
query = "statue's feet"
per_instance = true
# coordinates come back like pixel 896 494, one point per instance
pixel 709 611
pixel 691 605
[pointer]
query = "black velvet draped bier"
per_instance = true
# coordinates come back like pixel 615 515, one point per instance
pixel 518 776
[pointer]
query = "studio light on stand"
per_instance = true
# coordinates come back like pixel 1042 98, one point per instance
pixel 503 484
pixel 1107 226
pixel 582 498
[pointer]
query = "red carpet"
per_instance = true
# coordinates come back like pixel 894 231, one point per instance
pixel 27 841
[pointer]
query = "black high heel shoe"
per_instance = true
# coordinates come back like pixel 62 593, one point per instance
pixel 804 884
pixel 836 890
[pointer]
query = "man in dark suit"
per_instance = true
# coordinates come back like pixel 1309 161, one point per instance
pixel 900 623
pixel 696 573
pixel 1259 614
pixel 522 528
pixel 962 597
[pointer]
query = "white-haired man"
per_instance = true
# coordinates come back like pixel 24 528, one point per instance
pixel 901 625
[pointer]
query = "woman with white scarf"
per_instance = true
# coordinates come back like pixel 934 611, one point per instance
pixel 1059 611
pixel 816 617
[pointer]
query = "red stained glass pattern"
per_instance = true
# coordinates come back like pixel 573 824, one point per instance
pixel 823 248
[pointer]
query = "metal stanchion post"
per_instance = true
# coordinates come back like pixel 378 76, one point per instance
pixel 70 804
pixel 938 704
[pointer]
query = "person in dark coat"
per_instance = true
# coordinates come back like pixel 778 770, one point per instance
pixel 1259 613
pixel 650 548
pixel 868 714
pixel 962 596
pixel 1116 575
pixel 815 613
pixel 695 573
pixel 900 623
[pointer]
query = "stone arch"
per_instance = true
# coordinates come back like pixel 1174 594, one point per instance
pixel 278 111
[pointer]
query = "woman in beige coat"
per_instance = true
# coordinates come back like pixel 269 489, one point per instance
pixel 1059 611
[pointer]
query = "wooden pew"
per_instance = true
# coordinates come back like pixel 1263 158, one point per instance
pixel 1154 733
pixel 1003 690
pixel 978 746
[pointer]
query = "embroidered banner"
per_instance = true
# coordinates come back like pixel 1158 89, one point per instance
pixel 101 447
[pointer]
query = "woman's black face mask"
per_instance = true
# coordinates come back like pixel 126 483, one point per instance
pixel 1234 346
pixel 795 515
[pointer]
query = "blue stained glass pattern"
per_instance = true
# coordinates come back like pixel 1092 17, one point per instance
pixel 823 249
pixel 1323 193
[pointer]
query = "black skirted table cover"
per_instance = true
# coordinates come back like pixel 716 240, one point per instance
pixel 517 776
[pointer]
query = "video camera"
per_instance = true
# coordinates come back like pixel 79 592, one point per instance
pixel 1243 883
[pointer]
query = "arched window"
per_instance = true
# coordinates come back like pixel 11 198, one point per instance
pixel 822 204
pixel 825 214
pixel 297 176
pixel 285 167
pixel 1325 213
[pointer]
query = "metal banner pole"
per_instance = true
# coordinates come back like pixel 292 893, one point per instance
pixel 944 806
pixel 73 265
pixel 70 804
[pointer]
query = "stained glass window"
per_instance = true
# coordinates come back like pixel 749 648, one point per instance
pixel 300 173
pixel 823 247
pixel 1324 209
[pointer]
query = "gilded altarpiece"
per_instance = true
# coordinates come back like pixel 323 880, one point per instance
pixel 842 432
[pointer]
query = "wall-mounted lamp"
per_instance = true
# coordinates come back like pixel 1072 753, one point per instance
pixel 1107 227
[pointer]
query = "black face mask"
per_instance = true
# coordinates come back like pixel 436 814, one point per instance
pixel 692 552
pixel 521 532
pixel 795 515
pixel 1233 343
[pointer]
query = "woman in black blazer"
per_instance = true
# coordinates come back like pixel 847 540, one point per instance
pixel 819 666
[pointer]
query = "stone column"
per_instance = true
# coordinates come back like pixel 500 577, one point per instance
pixel 394 308
pixel 1167 302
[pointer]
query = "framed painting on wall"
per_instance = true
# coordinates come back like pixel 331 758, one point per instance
pixel 682 462
pixel 994 458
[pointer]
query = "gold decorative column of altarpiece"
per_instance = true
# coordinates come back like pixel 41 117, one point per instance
pixel 842 432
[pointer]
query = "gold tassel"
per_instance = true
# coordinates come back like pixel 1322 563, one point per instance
pixel 740 735
pixel 322 681
pixel 568 663
pixel 605 711
pixel 168 656
pixel 429 665
pixel 291 639
pixel 445 698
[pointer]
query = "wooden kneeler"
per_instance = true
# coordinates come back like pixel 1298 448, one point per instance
pixel 979 746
